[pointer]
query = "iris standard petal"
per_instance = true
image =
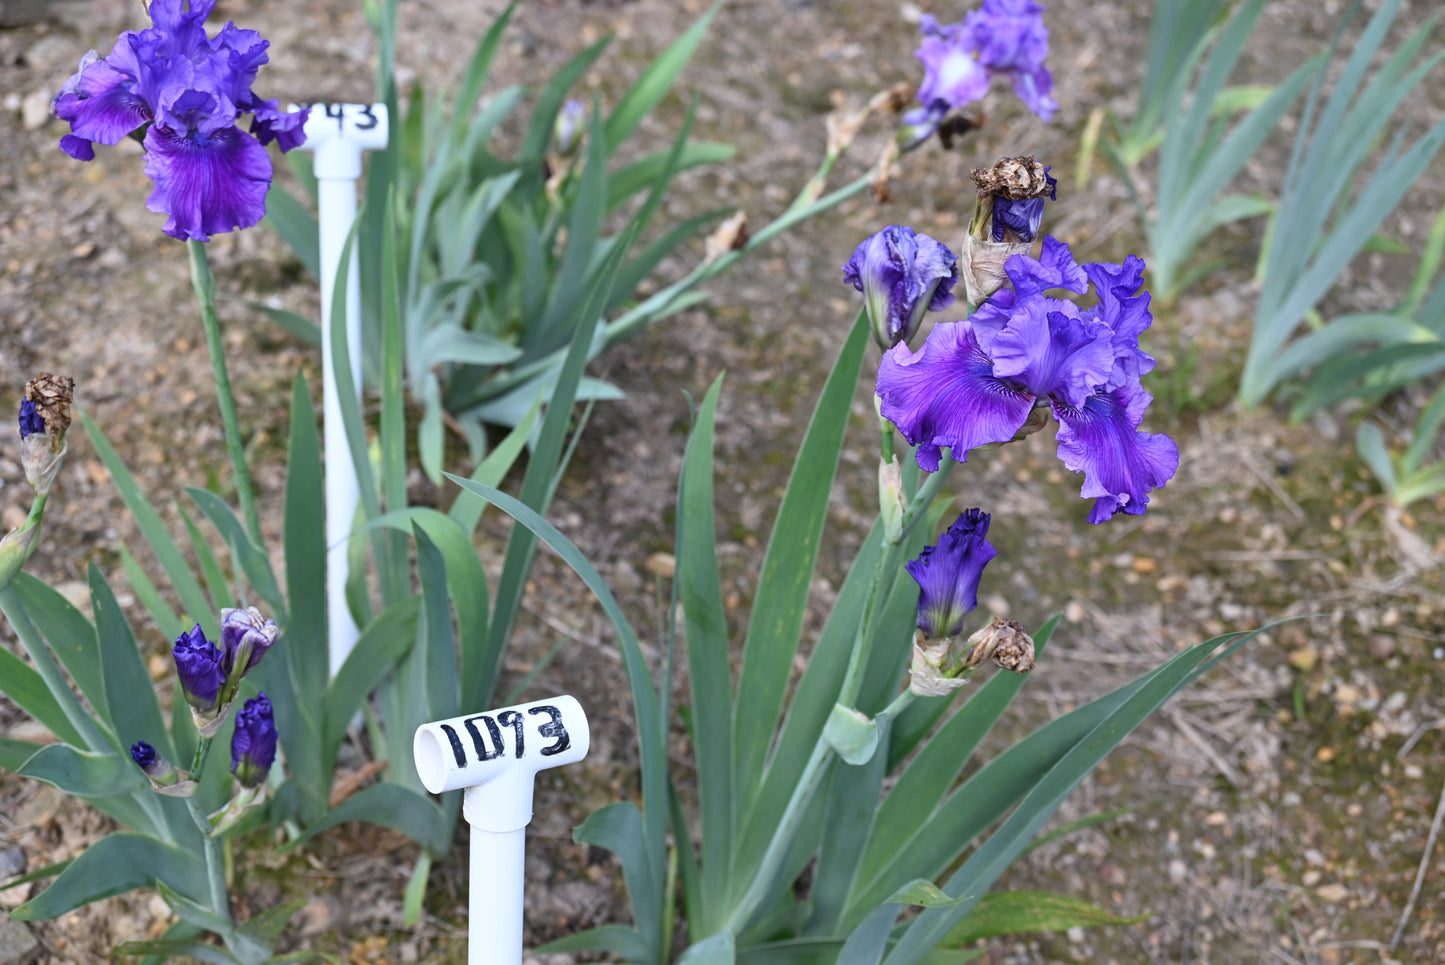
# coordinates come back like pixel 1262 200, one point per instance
pixel 207 183
pixel 1049 350
pixel 947 395
pixel 951 71
pixel 1054 268
pixel 1120 463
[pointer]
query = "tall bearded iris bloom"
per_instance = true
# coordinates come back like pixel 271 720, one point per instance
pixel 977 382
pixel 182 93
pixel 1006 37
pixel 901 275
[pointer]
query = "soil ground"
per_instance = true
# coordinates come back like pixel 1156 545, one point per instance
pixel 1275 813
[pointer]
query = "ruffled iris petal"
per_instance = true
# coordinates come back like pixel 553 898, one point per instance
pixel 103 106
pixel 1054 268
pixel 1120 463
pixel 947 395
pixel 952 73
pixel 207 183
pixel 1053 352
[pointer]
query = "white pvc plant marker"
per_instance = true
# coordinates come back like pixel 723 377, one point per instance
pixel 337 134
pixel 495 756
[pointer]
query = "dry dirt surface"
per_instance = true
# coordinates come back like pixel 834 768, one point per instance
pixel 1275 813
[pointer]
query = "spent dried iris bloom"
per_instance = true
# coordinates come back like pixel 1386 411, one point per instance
pixel 902 274
pixel 181 93
pixel 977 382
pixel 1006 220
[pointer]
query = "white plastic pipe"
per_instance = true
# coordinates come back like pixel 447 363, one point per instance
pixel 495 756
pixel 338 134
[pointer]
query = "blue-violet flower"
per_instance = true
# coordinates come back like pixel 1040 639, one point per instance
pixel 253 745
pixel 948 573
pixel 567 128
pixel 901 275
pixel 1005 37
pixel 182 92
pixel 977 382
pixel 198 665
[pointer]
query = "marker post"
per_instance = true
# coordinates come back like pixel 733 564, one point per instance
pixel 495 756
pixel 338 134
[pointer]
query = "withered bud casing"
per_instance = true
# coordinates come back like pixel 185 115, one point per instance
pixel 1006 643
pixel 52 395
pixel 731 235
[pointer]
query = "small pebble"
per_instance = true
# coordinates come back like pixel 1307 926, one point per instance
pixel 35 109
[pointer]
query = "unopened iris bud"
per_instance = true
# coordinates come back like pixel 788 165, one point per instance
pixel 948 574
pixel 253 745
pixel 1006 220
pixel 901 274
pixel 245 638
pixel 567 128
pixel 156 767
pixel 198 666
pixel 891 503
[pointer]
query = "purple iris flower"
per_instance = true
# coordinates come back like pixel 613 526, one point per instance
pixel 901 274
pixel 1002 37
pixel 1023 218
pixel 948 574
pixel 184 91
pixel 978 381
pixel 30 420
pixel 198 665
pixel 245 638
pixel 253 744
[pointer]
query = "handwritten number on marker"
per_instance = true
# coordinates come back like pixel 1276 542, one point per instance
pixel 553 729
pixel 337 111
pixel 371 120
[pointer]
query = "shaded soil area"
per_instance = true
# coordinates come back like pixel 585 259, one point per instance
pixel 1275 813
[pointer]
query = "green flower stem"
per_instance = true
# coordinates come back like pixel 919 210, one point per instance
pixel 198 760
pixel 205 286
pixel 49 671
pixel 888 566
pixel 899 704
pixel 215 860
pixel 808 782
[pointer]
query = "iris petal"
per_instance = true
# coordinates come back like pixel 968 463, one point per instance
pixel 207 183
pixel 947 395
pixel 1120 463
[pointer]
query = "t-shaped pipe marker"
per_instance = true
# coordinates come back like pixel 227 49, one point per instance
pixel 338 134
pixel 495 756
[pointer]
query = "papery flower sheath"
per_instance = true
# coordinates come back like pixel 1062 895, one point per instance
pixel 902 274
pixel 976 382
pixel 182 93
pixel 253 745
pixel 198 666
pixel 948 573
pixel 1002 37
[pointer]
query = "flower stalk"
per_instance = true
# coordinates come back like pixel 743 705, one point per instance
pixel 205 286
